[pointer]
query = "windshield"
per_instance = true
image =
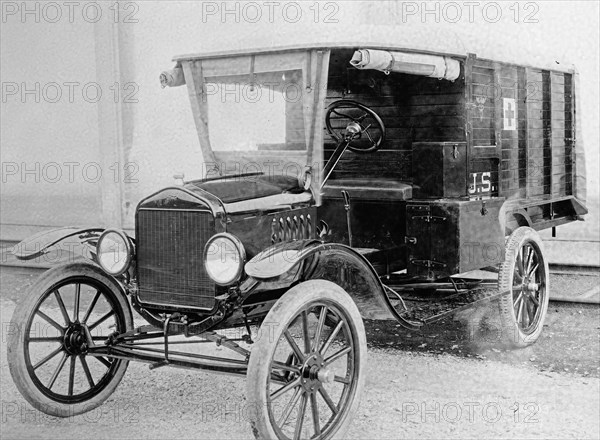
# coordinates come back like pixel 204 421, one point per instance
pixel 257 112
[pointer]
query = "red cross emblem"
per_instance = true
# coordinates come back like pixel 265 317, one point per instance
pixel 510 114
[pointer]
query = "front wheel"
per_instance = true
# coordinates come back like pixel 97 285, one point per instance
pixel 307 370
pixel 48 346
pixel 523 276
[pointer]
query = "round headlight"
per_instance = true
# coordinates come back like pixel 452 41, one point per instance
pixel 114 251
pixel 224 258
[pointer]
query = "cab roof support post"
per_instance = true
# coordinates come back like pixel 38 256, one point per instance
pixel 194 79
pixel 320 66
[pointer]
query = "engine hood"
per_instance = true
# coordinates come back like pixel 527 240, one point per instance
pixel 232 189
pixel 231 194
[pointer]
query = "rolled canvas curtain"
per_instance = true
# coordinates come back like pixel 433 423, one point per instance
pixel 172 78
pixel 415 64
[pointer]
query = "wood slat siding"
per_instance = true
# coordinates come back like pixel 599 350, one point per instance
pixel 523 127
pixel 533 161
pixel 547 133
pixel 560 131
pixel 536 159
pixel 483 88
pixel 413 109
pixel 569 134
pixel 507 78
pixel 535 129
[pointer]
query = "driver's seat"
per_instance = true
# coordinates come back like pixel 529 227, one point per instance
pixel 381 188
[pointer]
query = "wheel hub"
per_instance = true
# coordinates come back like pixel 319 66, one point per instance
pixel 528 286
pixel 531 287
pixel 314 373
pixel 74 340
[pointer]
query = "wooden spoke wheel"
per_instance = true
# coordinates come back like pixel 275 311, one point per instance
pixel 48 344
pixel 524 277
pixel 306 371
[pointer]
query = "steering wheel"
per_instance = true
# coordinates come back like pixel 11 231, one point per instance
pixel 364 130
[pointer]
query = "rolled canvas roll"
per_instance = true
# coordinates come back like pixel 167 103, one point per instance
pixel 412 63
pixel 372 59
pixel 172 78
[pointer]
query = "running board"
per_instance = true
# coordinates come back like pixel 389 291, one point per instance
pixel 427 311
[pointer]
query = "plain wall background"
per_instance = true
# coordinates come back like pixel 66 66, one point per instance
pixel 41 133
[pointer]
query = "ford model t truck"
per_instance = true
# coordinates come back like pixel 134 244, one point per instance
pixel 344 181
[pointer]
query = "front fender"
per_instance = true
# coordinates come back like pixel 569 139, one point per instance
pixel 43 242
pixel 280 258
pixel 333 262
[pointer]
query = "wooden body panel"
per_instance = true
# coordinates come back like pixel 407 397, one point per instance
pixel 413 109
pixel 449 236
pixel 536 153
pixel 513 126
pixel 517 123
pixel 439 169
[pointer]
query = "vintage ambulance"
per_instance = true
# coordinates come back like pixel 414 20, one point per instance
pixel 372 177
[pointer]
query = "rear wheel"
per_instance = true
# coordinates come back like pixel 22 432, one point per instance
pixel 47 345
pixel 524 277
pixel 307 370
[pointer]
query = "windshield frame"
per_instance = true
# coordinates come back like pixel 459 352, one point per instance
pixel 314 66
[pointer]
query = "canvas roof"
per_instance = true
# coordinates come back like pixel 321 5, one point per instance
pixel 421 39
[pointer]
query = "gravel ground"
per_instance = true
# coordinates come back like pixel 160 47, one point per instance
pixel 441 383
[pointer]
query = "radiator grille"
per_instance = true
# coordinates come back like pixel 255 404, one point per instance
pixel 289 228
pixel 169 247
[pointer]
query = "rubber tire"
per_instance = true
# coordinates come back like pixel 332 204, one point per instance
pixel 288 306
pixel 511 334
pixel 16 340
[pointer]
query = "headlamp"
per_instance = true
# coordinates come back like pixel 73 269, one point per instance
pixel 224 258
pixel 114 251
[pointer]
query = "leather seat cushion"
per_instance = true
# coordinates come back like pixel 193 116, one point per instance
pixel 369 189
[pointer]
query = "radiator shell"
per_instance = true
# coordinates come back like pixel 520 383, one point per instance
pixel 170 266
